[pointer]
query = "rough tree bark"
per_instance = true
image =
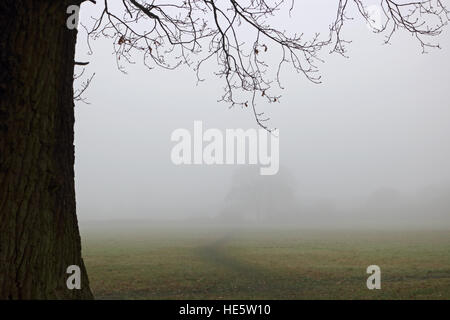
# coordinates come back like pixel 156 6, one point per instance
pixel 39 236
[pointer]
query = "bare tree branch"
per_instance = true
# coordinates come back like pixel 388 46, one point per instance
pixel 238 37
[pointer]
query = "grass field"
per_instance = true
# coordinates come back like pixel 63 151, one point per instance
pixel 142 262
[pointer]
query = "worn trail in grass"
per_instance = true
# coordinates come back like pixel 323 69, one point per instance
pixel 143 262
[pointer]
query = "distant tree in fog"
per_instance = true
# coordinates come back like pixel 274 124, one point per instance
pixel 433 202
pixel 428 206
pixel 253 197
pixel 384 198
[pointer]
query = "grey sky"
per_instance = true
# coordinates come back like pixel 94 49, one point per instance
pixel 380 119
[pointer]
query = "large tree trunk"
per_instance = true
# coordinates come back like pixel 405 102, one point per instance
pixel 39 235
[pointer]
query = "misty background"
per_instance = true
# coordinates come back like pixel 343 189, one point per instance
pixel 370 146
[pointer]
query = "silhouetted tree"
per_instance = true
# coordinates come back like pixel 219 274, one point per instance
pixel 257 198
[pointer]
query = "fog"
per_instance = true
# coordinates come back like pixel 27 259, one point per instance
pixel 370 146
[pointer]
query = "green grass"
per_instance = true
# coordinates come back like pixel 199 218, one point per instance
pixel 174 263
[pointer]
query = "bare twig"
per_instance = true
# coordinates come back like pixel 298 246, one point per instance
pixel 193 32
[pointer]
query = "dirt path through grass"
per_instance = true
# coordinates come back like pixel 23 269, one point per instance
pixel 220 254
